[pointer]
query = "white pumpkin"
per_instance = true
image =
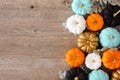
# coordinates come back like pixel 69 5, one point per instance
pixel 76 24
pixel 93 61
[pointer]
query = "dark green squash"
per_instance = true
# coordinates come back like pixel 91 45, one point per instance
pixel 111 15
pixel 76 74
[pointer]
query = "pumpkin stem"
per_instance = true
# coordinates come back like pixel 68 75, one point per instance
pixel 111 37
pixel 75 57
pixel 75 23
pixel 115 14
pixel 94 21
pixel 76 78
pixel 81 5
pixel 93 61
pixel 114 60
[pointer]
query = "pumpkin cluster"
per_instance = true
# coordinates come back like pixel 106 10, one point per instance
pixel 97 54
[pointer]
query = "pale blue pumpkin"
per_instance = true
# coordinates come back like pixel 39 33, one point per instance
pixel 109 38
pixel 81 7
pixel 98 75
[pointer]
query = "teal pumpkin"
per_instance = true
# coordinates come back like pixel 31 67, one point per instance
pixel 98 75
pixel 81 7
pixel 109 38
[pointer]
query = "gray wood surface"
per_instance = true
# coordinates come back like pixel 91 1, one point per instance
pixel 33 41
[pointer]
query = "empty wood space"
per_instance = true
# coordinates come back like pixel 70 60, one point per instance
pixel 33 41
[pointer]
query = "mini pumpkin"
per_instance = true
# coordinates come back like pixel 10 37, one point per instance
pixel 74 57
pixel 93 61
pixel 87 41
pixel 116 75
pixel 76 24
pixel 111 15
pixel 111 59
pixel 81 7
pixel 76 74
pixel 95 22
pixel 109 38
pixel 98 75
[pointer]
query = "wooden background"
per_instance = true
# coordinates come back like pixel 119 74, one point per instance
pixel 33 41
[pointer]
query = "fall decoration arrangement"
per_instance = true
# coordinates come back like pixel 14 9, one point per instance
pixel 97 54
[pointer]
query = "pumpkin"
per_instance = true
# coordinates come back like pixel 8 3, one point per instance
pixel 76 74
pixel 109 38
pixel 76 24
pixel 111 15
pixel 93 61
pixel 87 41
pixel 81 7
pixel 74 57
pixel 116 75
pixel 111 59
pixel 95 22
pixel 98 75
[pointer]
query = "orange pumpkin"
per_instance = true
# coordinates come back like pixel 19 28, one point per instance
pixel 111 59
pixel 74 57
pixel 95 22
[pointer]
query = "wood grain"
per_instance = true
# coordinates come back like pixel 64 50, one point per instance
pixel 33 41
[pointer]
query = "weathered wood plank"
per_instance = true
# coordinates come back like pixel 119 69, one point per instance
pixel 33 41
pixel 44 46
pixel 34 30
pixel 24 67
pixel 25 4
